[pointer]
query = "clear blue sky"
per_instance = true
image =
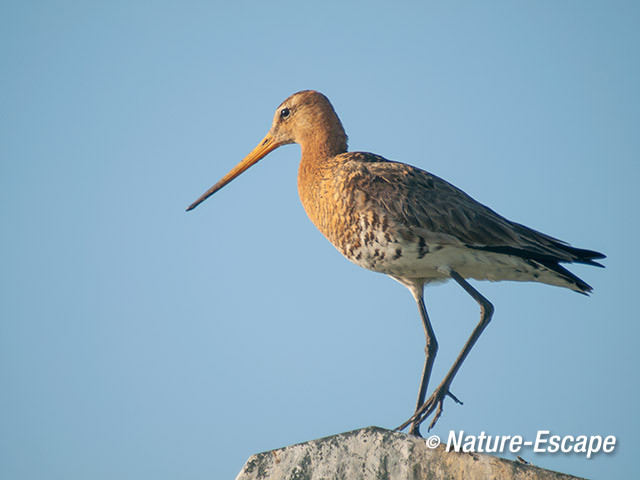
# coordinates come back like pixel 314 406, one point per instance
pixel 140 341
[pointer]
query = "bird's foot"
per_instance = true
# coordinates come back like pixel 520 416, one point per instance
pixel 433 404
pixel 436 403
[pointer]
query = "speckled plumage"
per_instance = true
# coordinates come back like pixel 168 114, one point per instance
pixel 402 221
pixel 399 220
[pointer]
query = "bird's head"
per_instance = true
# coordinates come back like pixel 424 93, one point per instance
pixel 306 118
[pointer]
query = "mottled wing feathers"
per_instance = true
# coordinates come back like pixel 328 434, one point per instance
pixel 434 209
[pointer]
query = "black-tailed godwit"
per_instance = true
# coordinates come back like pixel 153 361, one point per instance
pixel 396 219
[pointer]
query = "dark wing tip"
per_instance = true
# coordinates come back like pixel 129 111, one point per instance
pixel 586 257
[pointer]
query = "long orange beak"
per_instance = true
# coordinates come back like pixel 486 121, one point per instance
pixel 267 145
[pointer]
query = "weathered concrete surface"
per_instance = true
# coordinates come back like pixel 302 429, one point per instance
pixel 376 453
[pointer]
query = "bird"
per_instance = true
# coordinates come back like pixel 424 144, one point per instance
pixel 399 220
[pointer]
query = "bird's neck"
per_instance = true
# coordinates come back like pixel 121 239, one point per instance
pixel 316 175
pixel 323 143
pixel 318 158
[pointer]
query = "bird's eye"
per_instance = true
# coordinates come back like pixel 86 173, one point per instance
pixel 284 113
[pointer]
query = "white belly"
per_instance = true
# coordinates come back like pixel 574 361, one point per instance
pixel 411 262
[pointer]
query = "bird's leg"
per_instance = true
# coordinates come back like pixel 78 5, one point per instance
pixel 436 400
pixel 430 350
